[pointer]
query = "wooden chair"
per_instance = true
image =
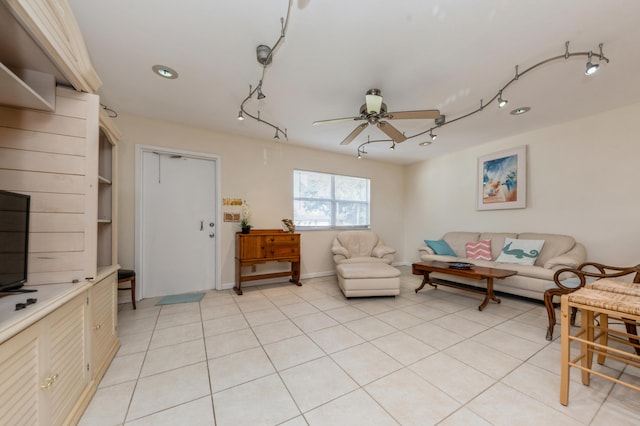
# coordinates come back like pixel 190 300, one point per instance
pixel 568 280
pixel 125 275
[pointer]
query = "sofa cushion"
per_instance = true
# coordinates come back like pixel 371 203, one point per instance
pixel 497 241
pixel 479 250
pixel 522 252
pixel 458 240
pixel 440 247
pixel 554 245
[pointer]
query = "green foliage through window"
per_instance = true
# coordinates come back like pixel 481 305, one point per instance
pixel 322 200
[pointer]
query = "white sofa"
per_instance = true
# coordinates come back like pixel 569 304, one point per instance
pixel 558 251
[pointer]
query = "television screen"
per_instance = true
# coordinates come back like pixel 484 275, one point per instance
pixel 14 239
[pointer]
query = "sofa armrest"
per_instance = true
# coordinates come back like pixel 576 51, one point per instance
pixel 381 251
pixel 571 259
pixel 425 249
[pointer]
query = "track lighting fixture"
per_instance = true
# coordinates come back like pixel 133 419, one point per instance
pixel 591 67
pixel 393 146
pixel 359 155
pixel 264 55
pixel 501 102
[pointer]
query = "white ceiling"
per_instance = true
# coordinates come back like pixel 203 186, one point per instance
pixel 422 54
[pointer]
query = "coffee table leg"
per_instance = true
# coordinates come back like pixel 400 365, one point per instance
pixel 425 280
pixel 490 295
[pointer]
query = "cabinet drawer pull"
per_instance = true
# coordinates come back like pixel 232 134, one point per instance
pixel 97 327
pixel 49 381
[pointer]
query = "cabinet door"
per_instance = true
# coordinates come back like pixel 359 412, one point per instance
pixel 66 376
pixel 19 379
pixel 103 324
pixel 250 246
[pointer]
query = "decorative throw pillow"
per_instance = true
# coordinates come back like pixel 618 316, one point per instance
pixel 479 250
pixel 522 252
pixel 440 247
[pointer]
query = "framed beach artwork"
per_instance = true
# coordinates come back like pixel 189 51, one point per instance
pixel 502 180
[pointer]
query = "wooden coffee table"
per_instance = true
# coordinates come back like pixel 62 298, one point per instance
pixel 475 272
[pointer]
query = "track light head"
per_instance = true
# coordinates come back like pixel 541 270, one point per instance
pixel 433 137
pixel 501 102
pixel 276 136
pixel 240 116
pixel 359 155
pixel 591 67
pixel 393 146
pixel 260 94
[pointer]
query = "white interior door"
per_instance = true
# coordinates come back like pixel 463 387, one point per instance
pixel 178 224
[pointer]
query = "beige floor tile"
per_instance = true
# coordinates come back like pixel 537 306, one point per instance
pixel 263 401
pixel 411 400
pixel 453 377
pixel 180 318
pixel 296 421
pixel 291 352
pixel 169 389
pixel 123 369
pixel 238 368
pixel 224 325
pixel 515 346
pixel 526 331
pixel 434 335
pixel 399 319
pixel 539 383
pixel 136 326
pixel 171 357
pixel 464 417
pixel 365 363
pixel 498 414
pixel 298 309
pixel 372 305
pixel 265 316
pixel 228 343
pixel 443 304
pixel 346 314
pixel 173 335
pixel 256 304
pixel 273 332
pixel 355 408
pixel 335 338
pixel 424 312
pixel 312 322
pixel 370 328
pixel 132 343
pixel 109 405
pixel 403 348
pixel 480 317
pixel 483 358
pixel 138 314
pixel 324 303
pixel 179 308
pixel 316 382
pixel 194 413
pixel 219 311
pixel 459 325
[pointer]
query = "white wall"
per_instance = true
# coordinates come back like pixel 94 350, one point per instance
pixel 262 173
pixel 583 180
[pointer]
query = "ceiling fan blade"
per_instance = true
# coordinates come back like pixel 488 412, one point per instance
pixel 392 132
pixel 406 115
pixel 337 120
pixel 354 134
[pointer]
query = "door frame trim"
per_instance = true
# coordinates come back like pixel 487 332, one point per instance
pixel 139 151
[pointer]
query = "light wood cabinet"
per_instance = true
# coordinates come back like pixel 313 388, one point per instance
pixel 266 245
pixel 104 325
pixel 45 368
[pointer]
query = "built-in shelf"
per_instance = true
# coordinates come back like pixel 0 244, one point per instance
pixel 27 89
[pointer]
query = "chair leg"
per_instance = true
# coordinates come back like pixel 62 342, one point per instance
pixel 574 311
pixel 631 329
pixel 133 292
pixel 551 313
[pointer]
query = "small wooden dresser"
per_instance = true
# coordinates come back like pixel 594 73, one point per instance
pixel 267 245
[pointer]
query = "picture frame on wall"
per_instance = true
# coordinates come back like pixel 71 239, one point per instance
pixel 502 180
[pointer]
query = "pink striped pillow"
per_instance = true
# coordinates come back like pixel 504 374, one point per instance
pixel 479 250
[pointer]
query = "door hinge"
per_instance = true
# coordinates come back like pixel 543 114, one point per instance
pixel 87 367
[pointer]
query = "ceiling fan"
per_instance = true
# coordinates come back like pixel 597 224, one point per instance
pixel 374 110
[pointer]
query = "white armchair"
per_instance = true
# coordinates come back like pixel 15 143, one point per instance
pixel 360 247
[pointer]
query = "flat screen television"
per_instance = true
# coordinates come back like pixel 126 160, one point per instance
pixel 14 239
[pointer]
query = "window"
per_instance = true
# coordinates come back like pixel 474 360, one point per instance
pixel 322 200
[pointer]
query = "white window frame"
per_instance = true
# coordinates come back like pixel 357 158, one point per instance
pixel 333 202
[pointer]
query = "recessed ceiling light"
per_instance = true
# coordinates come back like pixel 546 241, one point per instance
pixel 165 71
pixel 520 111
pixel 425 143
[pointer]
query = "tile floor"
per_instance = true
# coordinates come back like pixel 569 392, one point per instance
pixel 287 355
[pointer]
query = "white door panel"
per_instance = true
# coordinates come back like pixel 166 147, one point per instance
pixel 178 209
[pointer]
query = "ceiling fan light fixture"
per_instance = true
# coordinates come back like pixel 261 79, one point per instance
pixel 374 101
pixel 263 54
